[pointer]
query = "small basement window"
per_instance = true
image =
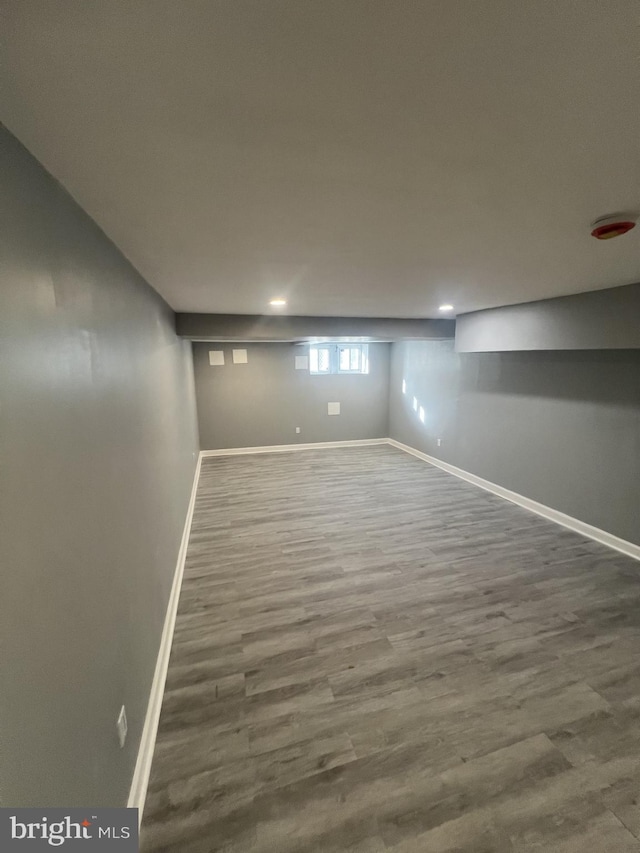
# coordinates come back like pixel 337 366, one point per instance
pixel 320 360
pixel 338 358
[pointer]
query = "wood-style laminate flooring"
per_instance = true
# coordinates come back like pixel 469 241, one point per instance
pixel 373 655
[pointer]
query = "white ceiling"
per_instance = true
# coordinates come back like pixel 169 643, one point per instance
pixel 360 157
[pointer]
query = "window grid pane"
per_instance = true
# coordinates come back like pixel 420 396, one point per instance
pixel 323 360
pixel 338 358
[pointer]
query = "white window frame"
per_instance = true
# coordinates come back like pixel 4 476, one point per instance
pixel 334 351
pixel 314 356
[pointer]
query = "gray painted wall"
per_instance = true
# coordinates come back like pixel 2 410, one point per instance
pixel 271 327
pixel 263 401
pixel 602 319
pixel 562 428
pixel 97 454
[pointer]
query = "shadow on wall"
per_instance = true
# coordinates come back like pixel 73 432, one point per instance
pixel 434 371
pixel 597 376
pixel 561 428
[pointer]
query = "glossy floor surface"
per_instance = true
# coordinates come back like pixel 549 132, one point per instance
pixel 373 655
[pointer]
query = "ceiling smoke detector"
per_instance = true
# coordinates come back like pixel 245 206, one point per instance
pixel 613 225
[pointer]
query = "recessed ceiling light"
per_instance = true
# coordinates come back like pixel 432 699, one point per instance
pixel 278 303
pixel 446 308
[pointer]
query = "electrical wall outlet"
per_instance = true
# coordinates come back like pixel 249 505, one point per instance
pixel 439 442
pixel 122 726
pixel 298 430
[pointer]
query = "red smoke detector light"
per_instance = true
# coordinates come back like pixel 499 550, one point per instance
pixel 612 226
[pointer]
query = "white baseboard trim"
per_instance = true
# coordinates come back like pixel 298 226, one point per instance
pixel 547 512
pixel 138 790
pixel 285 448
